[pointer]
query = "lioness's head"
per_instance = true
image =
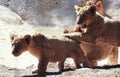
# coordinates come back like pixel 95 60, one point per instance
pixel 85 16
pixel 20 44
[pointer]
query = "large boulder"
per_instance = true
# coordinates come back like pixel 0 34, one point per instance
pixel 45 12
pixel 12 23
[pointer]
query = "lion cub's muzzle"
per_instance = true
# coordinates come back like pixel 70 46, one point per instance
pixel 15 51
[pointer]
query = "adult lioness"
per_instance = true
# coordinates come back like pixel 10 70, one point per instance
pixel 101 29
pixel 96 28
pixel 49 50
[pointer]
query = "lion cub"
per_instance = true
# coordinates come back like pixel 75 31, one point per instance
pixel 49 50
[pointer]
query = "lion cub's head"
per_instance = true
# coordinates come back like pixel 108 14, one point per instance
pixel 20 44
pixel 85 15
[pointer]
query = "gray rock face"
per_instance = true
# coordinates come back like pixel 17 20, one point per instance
pixel 114 9
pixel 45 12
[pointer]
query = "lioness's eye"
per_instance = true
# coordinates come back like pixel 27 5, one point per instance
pixel 83 15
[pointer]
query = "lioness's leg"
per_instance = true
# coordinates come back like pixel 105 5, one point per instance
pixel 114 56
pixel 77 61
pixel 93 63
pixel 86 62
pixel 82 58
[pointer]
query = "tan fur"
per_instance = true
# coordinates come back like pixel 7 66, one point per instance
pixel 99 6
pixel 49 50
pixel 99 50
pixel 76 29
pixel 96 52
pixel 100 28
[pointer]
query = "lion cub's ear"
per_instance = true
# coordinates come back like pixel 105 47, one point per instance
pixel 27 38
pixel 92 9
pixel 12 36
pixel 77 8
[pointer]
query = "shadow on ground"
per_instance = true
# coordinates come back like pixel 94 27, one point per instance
pixel 69 69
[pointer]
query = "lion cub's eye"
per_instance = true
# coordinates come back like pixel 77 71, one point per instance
pixel 83 16
pixel 13 44
pixel 18 45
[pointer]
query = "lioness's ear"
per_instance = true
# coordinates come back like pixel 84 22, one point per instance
pixel 88 3
pixel 77 8
pixel 92 9
pixel 27 38
pixel 12 36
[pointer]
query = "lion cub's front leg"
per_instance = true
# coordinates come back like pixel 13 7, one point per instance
pixel 42 66
pixel 61 65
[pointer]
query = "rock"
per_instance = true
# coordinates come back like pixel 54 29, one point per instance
pixel 9 17
pixel 45 12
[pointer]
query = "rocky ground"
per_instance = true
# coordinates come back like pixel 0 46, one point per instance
pixel 82 72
